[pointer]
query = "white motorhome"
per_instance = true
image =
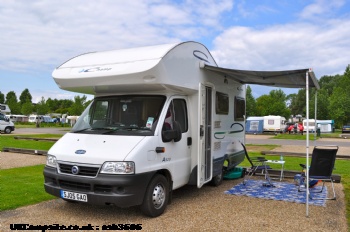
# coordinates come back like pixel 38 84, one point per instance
pixel 274 123
pixel 163 117
pixel 6 125
pixel 158 122
pixel 5 109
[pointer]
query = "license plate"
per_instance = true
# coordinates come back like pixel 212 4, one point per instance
pixel 74 196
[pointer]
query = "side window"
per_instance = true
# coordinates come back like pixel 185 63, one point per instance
pixel 222 103
pixel 177 111
pixel 180 110
pixel 239 109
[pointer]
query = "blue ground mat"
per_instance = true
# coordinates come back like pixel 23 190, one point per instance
pixel 281 192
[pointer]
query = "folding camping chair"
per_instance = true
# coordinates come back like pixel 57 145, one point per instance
pixel 321 168
pixel 257 164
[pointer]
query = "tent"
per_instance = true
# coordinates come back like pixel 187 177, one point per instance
pixel 301 78
pixel 254 125
pixel 326 126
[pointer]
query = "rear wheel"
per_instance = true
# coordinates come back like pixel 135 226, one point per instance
pixel 156 196
pixel 217 180
pixel 7 130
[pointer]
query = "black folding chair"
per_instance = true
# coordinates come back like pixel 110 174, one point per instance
pixel 321 168
pixel 257 165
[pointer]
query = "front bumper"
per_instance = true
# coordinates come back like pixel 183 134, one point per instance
pixel 119 190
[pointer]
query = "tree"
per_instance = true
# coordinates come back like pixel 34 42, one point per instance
pixel 42 107
pixel 27 108
pixel 250 103
pixel 298 103
pixel 11 101
pixel 78 106
pixel 339 101
pixel 273 104
pixel 2 97
pixel 25 97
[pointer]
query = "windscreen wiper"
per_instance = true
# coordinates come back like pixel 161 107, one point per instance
pixel 78 131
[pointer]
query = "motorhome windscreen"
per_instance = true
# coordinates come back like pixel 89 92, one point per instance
pixel 121 115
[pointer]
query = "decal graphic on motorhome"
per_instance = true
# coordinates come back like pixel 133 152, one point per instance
pixel 199 55
pixel 97 69
pixel 221 135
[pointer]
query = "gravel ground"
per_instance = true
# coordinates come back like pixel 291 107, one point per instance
pixel 192 209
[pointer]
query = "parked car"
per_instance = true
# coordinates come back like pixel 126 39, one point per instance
pixel 346 128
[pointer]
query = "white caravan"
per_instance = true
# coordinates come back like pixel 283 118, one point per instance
pixel 35 118
pixel 312 125
pixel 274 123
pixel 6 125
pixel 158 122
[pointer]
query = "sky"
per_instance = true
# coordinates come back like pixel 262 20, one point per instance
pixel 38 35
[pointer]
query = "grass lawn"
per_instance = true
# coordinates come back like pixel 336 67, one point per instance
pixel 10 141
pixel 22 186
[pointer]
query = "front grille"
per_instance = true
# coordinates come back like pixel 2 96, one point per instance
pixel 83 170
pixel 71 185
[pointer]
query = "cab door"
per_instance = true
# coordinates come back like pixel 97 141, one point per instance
pixel 177 151
pixel 204 166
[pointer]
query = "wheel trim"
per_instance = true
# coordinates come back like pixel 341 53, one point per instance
pixel 158 197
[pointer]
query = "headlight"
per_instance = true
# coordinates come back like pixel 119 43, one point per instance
pixel 51 161
pixel 118 168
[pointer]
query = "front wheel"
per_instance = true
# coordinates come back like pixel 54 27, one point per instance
pixel 7 130
pixel 156 196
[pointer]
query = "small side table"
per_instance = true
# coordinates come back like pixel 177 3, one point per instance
pixel 281 162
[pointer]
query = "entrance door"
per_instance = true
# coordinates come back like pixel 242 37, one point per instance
pixel 204 169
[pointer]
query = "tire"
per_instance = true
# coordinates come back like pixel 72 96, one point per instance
pixel 156 196
pixel 7 130
pixel 217 180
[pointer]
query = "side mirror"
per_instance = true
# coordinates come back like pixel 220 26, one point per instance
pixel 174 134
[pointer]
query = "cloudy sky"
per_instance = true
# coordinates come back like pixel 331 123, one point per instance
pixel 39 35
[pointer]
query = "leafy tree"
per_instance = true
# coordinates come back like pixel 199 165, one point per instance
pixel 273 104
pixel 298 103
pixel 250 103
pixel 78 106
pixel 42 108
pixel 11 101
pixel 339 101
pixel 25 97
pixel 2 97
pixel 27 108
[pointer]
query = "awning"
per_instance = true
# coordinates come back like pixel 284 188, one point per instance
pixel 284 79
pixel 301 78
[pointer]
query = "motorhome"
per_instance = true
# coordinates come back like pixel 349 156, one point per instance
pixel 5 109
pixel 163 117
pixel 158 122
pixel 6 125
pixel 273 123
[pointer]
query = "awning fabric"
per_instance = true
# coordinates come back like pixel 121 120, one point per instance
pixel 284 79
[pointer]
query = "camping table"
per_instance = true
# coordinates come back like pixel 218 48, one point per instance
pixel 281 162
